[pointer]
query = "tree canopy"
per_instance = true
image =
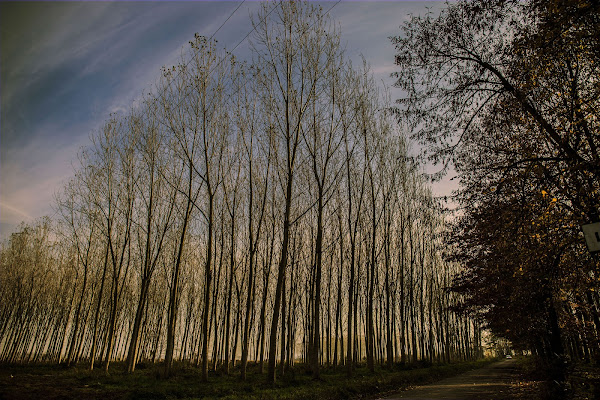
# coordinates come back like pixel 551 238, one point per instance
pixel 507 93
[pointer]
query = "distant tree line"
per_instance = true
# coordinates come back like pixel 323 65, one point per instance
pixel 507 92
pixel 263 211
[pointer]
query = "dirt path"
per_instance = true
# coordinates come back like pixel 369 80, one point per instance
pixel 491 382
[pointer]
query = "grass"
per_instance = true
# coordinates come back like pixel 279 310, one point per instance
pixel 58 382
pixel 536 381
pixel 584 381
pixel 533 381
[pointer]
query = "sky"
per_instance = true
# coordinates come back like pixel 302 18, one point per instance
pixel 66 66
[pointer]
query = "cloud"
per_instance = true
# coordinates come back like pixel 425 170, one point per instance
pixel 66 66
pixel 10 214
pixel 366 27
pixel 30 175
pixel 39 41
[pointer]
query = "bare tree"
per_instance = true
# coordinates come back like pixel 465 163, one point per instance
pixel 156 210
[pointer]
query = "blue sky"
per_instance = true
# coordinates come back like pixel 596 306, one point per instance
pixel 65 66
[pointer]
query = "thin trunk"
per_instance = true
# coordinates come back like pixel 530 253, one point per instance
pixel 317 294
pixel 97 314
pixel 280 278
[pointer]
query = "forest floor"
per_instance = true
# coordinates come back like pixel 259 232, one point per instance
pixel 58 382
pixel 514 380
pixel 533 383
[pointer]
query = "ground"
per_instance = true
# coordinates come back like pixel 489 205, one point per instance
pixel 507 380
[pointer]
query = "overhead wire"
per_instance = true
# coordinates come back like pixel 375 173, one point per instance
pixel 238 44
pixel 224 22
pixel 196 52
pixel 308 27
pixel 222 59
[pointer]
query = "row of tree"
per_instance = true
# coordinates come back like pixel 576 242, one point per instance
pixel 508 93
pixel 244 210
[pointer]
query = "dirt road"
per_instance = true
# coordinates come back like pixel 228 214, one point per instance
pixel 488 383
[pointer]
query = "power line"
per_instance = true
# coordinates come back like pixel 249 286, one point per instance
pixel 210 38
pixel 308 27
pixel 254 28
pixel 235 47
pixel 223 59
pixel 224 22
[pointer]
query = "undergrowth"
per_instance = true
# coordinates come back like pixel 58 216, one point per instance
pixel 58 382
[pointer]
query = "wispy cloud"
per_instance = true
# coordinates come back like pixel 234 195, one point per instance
pixel 67 65
pixel 10 210
pixel 31 174
pixel 65 68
